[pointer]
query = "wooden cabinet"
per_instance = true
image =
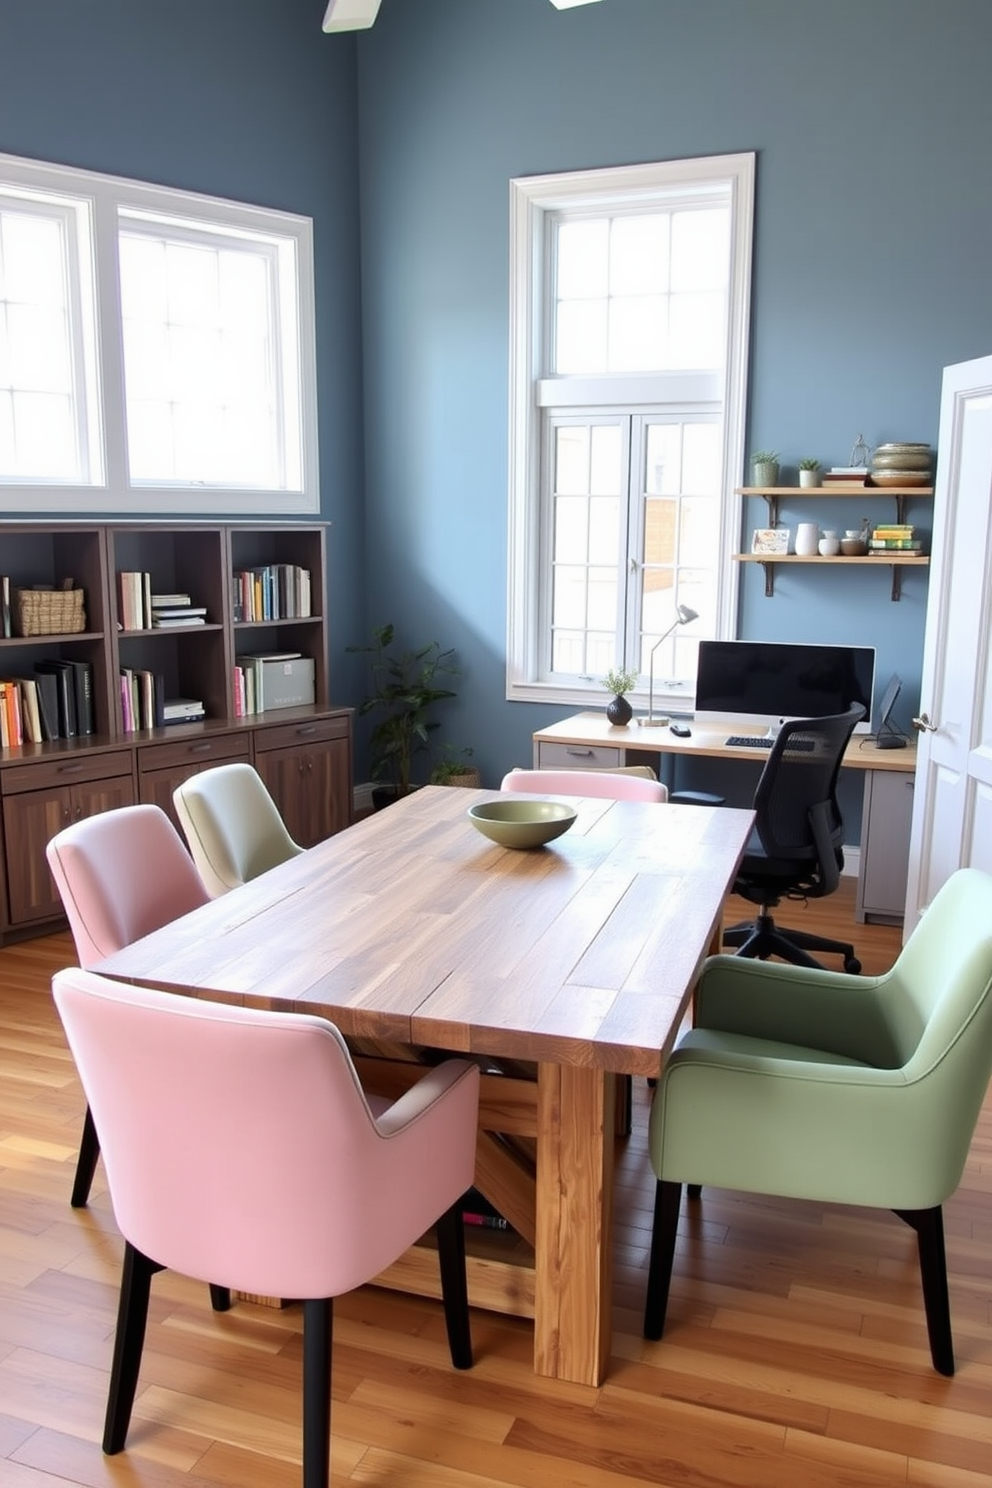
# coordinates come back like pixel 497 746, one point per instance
pixel 38 801
pixel 306 765
pixel 776 496
pixel 163 767
pixel 304 753
pixel 884 868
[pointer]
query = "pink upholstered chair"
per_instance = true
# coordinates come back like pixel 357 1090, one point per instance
pixel 120 875
pixel 239 1145
pixel 614 785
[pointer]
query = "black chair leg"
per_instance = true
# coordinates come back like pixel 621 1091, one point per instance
pixel 667 1200
pixel 220 1298
pixel 89 1151
pixel 132 1316
pixel 929 1227
pixel 454 1285
pixel 318 1318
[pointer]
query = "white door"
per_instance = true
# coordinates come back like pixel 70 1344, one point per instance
pixel 952 809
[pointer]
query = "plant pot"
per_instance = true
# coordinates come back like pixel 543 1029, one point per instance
pixel 470 779
pixel 619 712
pixel 809 477
pixel 766 473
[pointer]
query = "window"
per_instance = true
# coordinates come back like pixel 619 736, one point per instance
pixel 156 349
pixel 629 322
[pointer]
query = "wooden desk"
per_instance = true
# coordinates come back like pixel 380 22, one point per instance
pixel 582 956
pixel 589 741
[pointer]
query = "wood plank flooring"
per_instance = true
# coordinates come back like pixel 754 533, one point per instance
pixel 795 1357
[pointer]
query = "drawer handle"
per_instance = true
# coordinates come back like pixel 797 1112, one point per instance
pixel 306 729
pixel 580 753
pixel 205 748
pixel 70 769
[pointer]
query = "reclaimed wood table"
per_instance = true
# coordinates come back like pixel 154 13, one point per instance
pixel 578 959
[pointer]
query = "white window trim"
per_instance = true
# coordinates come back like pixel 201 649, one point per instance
pixel 116 493
pixel 531 199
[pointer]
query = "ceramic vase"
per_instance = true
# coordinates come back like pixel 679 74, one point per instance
pixel 809 478
pixel 807 538
pixel 619 712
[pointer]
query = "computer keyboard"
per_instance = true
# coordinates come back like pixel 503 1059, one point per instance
pixel 762 741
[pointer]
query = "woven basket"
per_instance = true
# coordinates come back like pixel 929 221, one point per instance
pixel 49 611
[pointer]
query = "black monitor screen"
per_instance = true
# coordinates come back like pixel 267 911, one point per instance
pixel 773 680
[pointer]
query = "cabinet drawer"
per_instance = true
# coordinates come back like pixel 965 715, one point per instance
pixel 304 731
pixel 88 764
pixel 197 750
pixel 577 757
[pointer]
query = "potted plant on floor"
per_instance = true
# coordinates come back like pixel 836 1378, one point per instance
pixel 453 768
pixel 406 685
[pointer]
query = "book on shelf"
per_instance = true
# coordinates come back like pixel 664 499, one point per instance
pixel 48 703
pixel 5 605
pixel 182 710
pixel 477 1210
pixel 30 712
pixel 275 591
pixel 171 601
pixel 10 714
pixel 176 622
pixel 894 545
pixel 65 694
pixel 176 612
pixel 134 599
pixel 82 679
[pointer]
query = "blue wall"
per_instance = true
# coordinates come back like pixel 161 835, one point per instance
pixel 872 125
pixel 239 98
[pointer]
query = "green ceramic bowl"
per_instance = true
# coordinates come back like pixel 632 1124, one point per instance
pixel 522 823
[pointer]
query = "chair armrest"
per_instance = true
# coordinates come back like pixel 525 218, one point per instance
pixel 417 1102
pixel 826 1010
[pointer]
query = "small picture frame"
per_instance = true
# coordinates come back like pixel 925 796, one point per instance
pixel 770 540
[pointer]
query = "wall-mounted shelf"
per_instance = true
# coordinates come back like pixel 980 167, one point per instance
pixel 775 495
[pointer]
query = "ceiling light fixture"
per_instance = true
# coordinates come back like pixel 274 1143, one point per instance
pixel 350 15
pixel 358 15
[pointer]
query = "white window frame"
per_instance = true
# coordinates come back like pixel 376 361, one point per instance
pixel 99 200
pixel 532 200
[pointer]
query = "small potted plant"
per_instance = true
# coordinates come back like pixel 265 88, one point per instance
pixel 809 472
pixel 453 769
pixel 619 681
pixel 764 467
pixel 406 684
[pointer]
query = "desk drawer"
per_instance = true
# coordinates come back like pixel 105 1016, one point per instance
pixel 577 757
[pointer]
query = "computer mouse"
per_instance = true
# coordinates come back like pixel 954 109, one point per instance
pixel 680 730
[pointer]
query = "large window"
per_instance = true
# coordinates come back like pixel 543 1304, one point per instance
pixel 629 320
pixel 156 349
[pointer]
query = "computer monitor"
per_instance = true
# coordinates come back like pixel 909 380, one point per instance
pixel 761 684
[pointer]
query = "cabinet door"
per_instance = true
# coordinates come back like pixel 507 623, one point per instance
pixel 885 832
pixel 163 767
pixel 31 819
pixel 311 788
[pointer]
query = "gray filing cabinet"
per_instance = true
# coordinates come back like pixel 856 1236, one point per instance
pixel 888 816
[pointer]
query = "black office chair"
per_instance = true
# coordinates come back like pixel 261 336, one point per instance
pixel 795 849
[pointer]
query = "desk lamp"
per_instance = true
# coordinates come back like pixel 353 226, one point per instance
pixel 683 615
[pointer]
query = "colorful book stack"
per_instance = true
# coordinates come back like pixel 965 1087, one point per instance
pixel 894 537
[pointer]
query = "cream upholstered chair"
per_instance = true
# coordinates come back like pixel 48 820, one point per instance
pixel 232 825
pixel 264 1164
pixel 120 875
pixel 614 785
pixel 846 1089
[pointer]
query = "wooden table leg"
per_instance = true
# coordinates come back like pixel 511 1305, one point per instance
pixel 574 1244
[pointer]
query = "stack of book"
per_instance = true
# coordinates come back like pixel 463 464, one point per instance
pixel 845 477
pixel 894 537
pixel 56 703
pixel 141 699
pixel 134 599
pixel 277 591
pixel 172 610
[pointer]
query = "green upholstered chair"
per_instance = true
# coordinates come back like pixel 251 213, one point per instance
pixel 843 1089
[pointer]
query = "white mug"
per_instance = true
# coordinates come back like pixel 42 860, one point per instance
pixel 829 545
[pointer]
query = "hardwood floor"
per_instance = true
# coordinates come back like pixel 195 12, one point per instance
pixel 795 1357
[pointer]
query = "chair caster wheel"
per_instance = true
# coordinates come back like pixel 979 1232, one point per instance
pixel 852 965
